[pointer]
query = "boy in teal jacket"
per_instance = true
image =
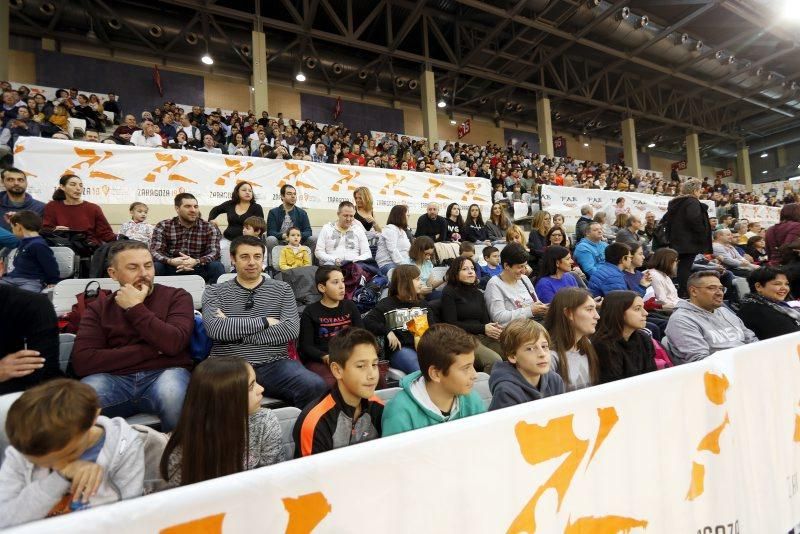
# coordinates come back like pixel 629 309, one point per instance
pixel 442 390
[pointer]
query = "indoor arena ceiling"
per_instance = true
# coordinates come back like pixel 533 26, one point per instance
pixel 727 69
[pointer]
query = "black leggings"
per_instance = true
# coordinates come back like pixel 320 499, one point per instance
pixel 685 262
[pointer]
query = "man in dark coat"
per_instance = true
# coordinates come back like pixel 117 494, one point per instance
pixel 688 229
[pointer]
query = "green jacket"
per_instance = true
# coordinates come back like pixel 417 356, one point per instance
pixel 407 411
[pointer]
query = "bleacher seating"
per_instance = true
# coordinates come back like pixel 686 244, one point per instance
pixel 481 387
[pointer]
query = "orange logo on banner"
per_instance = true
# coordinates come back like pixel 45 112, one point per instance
pixel 236 167
pixel 18 149
pixel 306 512
pixel 431 191
pixel 392 181
pixel 471 192
pixel 295 174
pixel 90 158
pixel 205 525
pixel 169 162
pixel 716 387
pixel 541 443
pixel 347 177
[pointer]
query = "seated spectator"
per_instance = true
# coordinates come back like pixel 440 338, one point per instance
pixel 68 211
pixel 127 130
pixel 558 227
pixel 324 319
pixel 186 244
pixel 663 266
pixel 756 248
pixel 21 126
pixel 587 213
pixel 623 348
pixel 147 136
pixel 781 237
pixel 133 347
pixel 511 295
pixel 238 146
pixel 285 216
pixel 606 232
pixel 498 223
pixel 730 257
pixel 112 105
pixel 754 228
pixel 255 226
pixel 254 318
pixel 137 228
pixel 463 306
pixel 237 210
pixel 350 413
pixel 555 273
pixel 590 251
pixel 294 254
pixel 210 145
pixel 537 239
pixel 223 429
pixel 764 309
pixel 393 243
pixel 390 316
pixel 364 214
pixel 608 275
pixel 492 268
pixel 475 231
pixel 629 235
pixel 702 326
pixel 28 339
pixel 35 264
pixel 15 198
pixel 635 279
pixel 570 321
pixel 432 225
pixel 442 390
pixel 455 223
pixel 620 223
pixel 342 242
pixel 420 254
pixel 64 457
pixel 527 375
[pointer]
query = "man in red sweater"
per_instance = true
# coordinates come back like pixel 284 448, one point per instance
pixel 133 346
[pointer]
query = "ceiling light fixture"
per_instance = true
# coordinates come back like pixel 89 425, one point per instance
pixel 763 172
pixel 441 103
pixel 207 59
pixel 651 145
pixel 300 77
pixel 764 154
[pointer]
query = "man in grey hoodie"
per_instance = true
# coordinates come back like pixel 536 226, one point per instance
pixel 703 326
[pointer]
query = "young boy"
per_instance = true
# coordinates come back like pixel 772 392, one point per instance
pixel 526 376
pixel 442 390
pixel 136 228
pixel 293 254
pixel 322 320
pixel 466 249
pixel 350 413
pixel 35 265
pixel 254 226
pixel 492 267
pixel 64 456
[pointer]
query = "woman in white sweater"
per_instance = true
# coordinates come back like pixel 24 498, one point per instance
pixel 663 266
pixel 393 244
pixel 510 295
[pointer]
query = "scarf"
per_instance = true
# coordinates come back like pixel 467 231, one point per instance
pixel 755 298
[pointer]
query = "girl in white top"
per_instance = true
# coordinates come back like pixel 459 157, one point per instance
pixel 393 244
pixel 663 266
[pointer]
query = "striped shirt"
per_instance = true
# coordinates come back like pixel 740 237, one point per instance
pixel 242 332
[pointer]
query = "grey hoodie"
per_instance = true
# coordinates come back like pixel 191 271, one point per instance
pixel 695 333
pixel 510 388
pixel 28 492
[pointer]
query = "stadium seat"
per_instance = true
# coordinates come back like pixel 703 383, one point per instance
pixel 439 272
pixel 74 124
pixel 287 417
pixel 144 419
pixel 387 394
pixel 65 344
pixel 395 374
pixel 481 387
pixel 67 261
pixel 5 403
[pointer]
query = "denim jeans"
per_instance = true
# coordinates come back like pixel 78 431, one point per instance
pixel 158 392
pixel 405 360
pixel 210 271
pixel 288 380
pixel 28 284
pixel 388 267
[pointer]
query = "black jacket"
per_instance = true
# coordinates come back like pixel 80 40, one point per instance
pixel 235 221
pixel 622 359
pixel 436 228
pixel 465 307
pixel 475 232
pixel 764 321
pixel 688 227
pixel 580 227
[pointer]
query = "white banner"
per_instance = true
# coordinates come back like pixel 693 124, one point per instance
pixel 711 447
pixel 766 215
pixel 114 174
pixel 567 201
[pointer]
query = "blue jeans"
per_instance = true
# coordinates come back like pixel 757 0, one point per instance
pixel 158 392
pixel 405 360
pixel 388 267
pixel 289 380
pixel 28 284
pixel 210 271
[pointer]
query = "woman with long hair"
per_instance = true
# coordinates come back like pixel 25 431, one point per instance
pixel 238 145
pixel 537 239
pixel 362 198
pixel 623 348
pixel 393 245
pixel 498 223
pixel 555 273
pixel 463 305
pixel 663 266
pixel 222 429
pixel 455 223
pixel 571 320
pixel 475 229
pixel 68 211
pixel 241 206
pixel 558 222
pixel 390 316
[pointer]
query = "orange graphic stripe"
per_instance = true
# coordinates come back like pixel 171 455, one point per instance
pixel 205 525
pixel 306 512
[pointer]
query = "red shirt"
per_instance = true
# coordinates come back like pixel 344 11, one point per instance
pixel 83 217
pixel 356 159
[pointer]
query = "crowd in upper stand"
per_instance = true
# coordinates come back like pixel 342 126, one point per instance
pixel 543 313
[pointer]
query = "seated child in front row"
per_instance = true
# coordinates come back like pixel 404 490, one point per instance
pixel 64 456
pixel 442 390
pixel 137 228
pixel 526 376
pixel 294 254
pixel 35 264
pixel 350 413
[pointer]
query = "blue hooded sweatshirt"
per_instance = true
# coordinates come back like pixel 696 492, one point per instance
pixel 35 261
pixel 28 204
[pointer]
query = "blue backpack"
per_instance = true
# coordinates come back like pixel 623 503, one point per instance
pixel 199 344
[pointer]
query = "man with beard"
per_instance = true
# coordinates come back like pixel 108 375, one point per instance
pixel 15 198
pixel 133 345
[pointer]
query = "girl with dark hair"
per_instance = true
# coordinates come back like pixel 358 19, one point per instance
pixel 537 239
pixel 475 230
pixel 455 223
pixel 571 319
pixel 498 223
pixel 238 145
pixel 555 273
pixel 393 243
pixel 390 316
pixel 623 348
pixel 68 211
pixel 463 306
pixel 241 206
pixel 557 236
pixel 223 429
pixel 663 267
pixel 757 249
pixel 420 254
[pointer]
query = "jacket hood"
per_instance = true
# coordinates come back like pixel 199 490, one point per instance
pixel 414 386
pixel 29 202
pixel 121 440
pixel 504 372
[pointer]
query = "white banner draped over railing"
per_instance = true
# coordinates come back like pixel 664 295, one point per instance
pixel 711 447
pixel 567 201
pixel 766 215
pixel 114 174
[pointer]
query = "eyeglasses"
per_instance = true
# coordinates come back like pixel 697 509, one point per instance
pixel 715 289
pixel 250 302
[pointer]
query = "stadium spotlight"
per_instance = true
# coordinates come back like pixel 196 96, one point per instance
pixel 651 145
pixel 643 21
pixel 300 77
pixel 207 59
pixel 624 13
pixel 763 172
pixel 790 11
pixel 764 154
pixel 453 121
pixel 441 103
pixel 585 144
